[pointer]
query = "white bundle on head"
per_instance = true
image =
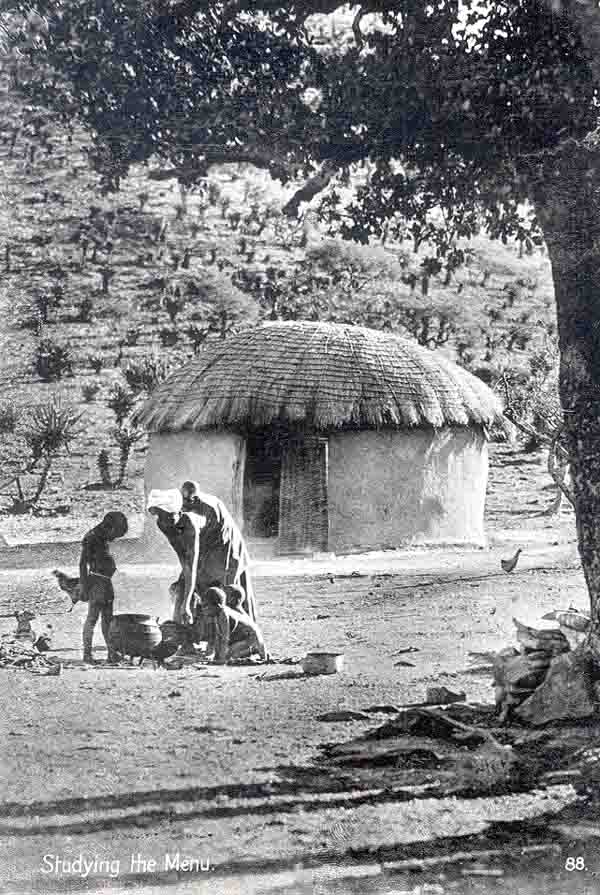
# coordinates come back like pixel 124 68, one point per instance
pixel 168 500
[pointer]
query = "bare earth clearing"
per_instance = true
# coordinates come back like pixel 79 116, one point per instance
pixel 212 763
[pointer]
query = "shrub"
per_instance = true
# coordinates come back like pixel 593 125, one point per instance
pixel 197 336
pixel 173 303
pixel 84 311
pixel 9 416
pixel 47 430
pixel 125 436
pixel 132 337
pixel 35 309
pixel 168 337
pixel 121 402
pixel 103 463
pixel 146 375
pixel 52 360
pixel 89 391
pixel 95 361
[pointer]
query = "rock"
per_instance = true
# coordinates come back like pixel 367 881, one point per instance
pixel 570 618
pixel 443 696
pixel 566 692
pixel 550 640
pixel 429 722
pixel 343 715
pixel 521 674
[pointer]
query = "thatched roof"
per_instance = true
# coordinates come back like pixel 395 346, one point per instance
pixel 324 375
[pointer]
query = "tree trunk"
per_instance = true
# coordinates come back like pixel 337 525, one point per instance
pixel 569 211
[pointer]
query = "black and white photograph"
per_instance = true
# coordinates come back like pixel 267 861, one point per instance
pixel 300 447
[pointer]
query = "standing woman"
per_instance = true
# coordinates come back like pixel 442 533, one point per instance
pixel 210 548
pixel 219 552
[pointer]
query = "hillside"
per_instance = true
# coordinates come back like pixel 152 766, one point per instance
pixel 146 274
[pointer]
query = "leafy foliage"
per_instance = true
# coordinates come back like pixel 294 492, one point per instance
pixel 144 376
pixel 121 401
pixel 31 445
pixel 52 360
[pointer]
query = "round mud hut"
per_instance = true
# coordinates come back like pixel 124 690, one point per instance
pixel 327 437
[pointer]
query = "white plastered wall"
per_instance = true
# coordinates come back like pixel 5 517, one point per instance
pixel 214 459
pixel 390 488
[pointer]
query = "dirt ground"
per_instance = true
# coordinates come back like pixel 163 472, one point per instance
pixel 130 765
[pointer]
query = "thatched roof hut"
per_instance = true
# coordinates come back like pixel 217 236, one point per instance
pixel 328 436
pixel 324 375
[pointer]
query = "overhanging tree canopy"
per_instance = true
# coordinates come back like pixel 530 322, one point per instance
pixel 465 110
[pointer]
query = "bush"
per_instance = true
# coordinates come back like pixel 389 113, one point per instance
pixel 168 337
pixel 197 336
pixel 52 360
pixel 125 436
pixel 35 309
pixel 173 303
pixel 95 361
pixel 143 377
pixel 9 416
pixel 121 402
pixel 84 311
pixel 103 463
pixel 89 391
pixel 47 430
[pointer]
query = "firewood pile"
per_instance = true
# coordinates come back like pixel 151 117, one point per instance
pixel 518 673
pixel 15 653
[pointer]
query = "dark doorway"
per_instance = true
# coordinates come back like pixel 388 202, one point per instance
pixel 304 516
pixel 262 477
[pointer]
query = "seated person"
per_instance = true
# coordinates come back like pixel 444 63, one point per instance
pixel 231 634
pixel 236 596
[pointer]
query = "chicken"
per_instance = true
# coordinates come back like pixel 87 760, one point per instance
pixel 509 564
pixel 164 650
pixel 43 643
pixel 24 630
pixel 69 585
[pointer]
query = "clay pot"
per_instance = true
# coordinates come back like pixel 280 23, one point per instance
pixel 134 635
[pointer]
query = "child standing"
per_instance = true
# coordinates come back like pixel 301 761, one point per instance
pixel 96 568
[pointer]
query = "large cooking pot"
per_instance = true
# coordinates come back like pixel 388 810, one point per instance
pixel 134 635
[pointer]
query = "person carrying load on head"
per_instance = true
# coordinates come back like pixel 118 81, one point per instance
pixel 210 548
pixel 96 568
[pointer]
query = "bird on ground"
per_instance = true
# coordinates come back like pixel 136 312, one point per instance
pixel 508 565
pixel 69 585
pixel 164 650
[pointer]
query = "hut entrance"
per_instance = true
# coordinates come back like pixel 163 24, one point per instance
pixel 262 477
pixel 303 514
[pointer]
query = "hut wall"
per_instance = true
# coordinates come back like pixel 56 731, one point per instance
pixel 214 459
pixel 388 488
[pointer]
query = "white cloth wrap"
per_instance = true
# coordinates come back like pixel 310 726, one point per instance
pixel 168 500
